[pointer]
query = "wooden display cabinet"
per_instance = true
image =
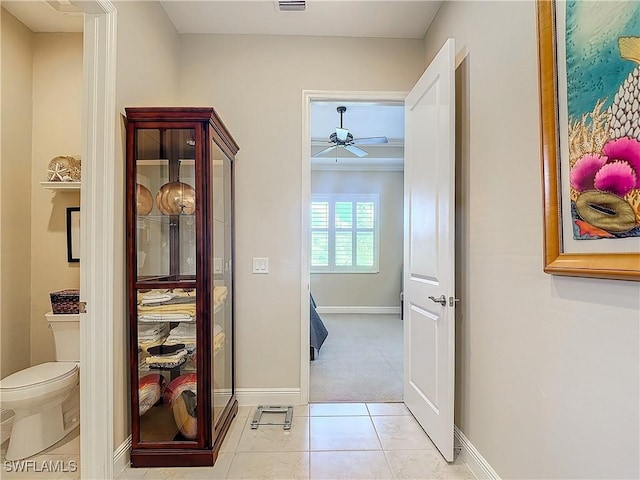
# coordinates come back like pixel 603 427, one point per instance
pixel 179 188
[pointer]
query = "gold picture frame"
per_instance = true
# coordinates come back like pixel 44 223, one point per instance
pixel 610 265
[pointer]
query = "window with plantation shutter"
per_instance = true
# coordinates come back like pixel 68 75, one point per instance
pixel 344 233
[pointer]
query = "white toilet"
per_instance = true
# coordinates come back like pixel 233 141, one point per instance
pixel 45 397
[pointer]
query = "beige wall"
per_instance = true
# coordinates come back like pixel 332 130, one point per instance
pixel 548 367
pixel 381 289
pixel 57 130
pixel 255 83
pixel 42 109
pixel 551 389
pixel 147 75
pixel 15 193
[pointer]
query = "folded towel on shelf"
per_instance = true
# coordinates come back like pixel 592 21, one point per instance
pixel 151 294
pixel 184 330
pixel 152 331
pixel 166 317
pixel 172 360
pixel 177 299
pixel 159 295
pixel 152 299
pixel 183 333
pixel 145 345
pixel 188 308
pixel 152 334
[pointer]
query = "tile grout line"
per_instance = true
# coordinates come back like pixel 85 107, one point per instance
pixel 384 452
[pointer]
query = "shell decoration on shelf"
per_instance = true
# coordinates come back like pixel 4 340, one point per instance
pixel 64 168
pixel 144 200
pixel 176 198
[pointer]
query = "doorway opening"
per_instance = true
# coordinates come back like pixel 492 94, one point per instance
pixel 429 242
pixel 353 246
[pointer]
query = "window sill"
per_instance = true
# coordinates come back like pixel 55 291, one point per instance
pixel 340 272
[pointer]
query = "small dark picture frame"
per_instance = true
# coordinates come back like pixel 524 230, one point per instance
pixel 73 234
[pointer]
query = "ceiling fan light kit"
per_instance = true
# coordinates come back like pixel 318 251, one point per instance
pixel 343 138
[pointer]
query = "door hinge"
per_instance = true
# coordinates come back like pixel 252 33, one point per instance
pixel 82 307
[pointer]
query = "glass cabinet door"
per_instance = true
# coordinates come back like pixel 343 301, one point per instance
pixel 166 293
pixel 221 308
pixel 166 203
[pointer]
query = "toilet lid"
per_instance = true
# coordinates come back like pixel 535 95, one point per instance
pixel 43 373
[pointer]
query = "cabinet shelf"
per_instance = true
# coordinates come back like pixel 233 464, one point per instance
pixel 61 185
pixel 154 162
pixel 164 219
pixel 167 281
pixel 181 369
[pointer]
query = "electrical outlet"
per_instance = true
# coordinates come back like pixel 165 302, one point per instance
pixel 260 265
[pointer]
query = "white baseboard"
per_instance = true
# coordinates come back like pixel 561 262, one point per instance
pixel 6 423
pixel 252 397
pixel 357 310
pixel 472 457
pixel 122 457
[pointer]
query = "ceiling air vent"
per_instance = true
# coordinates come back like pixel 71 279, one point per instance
pixel 291 5
pixel 65 7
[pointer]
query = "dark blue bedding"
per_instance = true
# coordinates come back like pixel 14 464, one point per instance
pixel 318 332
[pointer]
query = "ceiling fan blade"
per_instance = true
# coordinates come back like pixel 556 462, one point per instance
pixel 369 140
pixel 356 151
pixel 322 152
pixel 342 134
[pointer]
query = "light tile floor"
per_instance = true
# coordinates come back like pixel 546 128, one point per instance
pixel 339 441
pixel 60 461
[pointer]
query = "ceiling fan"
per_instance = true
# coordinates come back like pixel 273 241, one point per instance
pixel 343 138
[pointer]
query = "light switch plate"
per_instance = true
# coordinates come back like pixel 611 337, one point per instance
pixel 217 265
pixel 260 265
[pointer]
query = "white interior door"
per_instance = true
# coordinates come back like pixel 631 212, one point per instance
pixel 429 297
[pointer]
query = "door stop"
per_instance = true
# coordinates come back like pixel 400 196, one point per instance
pixel 288 416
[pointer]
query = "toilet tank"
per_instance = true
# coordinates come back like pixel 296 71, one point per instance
pixel 66 335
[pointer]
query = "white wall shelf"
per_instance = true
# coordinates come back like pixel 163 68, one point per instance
pixel 61 185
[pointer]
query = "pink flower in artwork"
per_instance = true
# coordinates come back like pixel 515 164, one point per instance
pixel 617 178
pixel 583 172
pixel 626 149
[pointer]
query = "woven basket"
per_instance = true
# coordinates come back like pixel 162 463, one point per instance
pixel 65 301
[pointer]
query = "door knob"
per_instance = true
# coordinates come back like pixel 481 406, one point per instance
pixel 442 300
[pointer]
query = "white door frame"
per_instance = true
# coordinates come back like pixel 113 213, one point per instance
pixel 97 217
pixel 309 96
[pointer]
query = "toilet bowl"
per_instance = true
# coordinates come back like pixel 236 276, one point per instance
pixel 45 397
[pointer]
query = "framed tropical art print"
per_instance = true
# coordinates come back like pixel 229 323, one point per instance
pixel 589 68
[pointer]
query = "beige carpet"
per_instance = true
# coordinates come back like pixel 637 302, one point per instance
pixel 361 360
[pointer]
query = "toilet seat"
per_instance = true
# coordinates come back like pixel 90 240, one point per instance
pixel 39 375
